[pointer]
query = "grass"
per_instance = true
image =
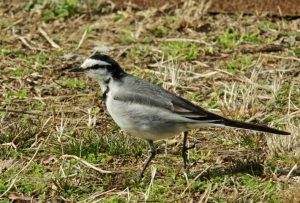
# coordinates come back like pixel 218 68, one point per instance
pixel 140 51
pixel 54 129
pixel 54 9
pixel 127 38
pixel 181 51
pixel 230 39
pixel 158 32
pixel 241 63
pixel 75 84
pixel 250 37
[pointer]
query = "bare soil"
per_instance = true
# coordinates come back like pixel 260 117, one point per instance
pixel 257 7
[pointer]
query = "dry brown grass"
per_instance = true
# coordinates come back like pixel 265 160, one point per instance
pixel 55 134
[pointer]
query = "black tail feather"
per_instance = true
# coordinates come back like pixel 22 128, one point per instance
pixel 250 126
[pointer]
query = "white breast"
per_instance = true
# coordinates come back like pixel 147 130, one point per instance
pixel 146 122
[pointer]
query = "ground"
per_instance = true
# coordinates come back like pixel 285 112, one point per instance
pixel 272 7
pixel 58 143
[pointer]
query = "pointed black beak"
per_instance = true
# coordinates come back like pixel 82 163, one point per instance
pixel 76 69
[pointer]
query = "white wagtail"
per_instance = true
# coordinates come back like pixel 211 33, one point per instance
pixel 150 112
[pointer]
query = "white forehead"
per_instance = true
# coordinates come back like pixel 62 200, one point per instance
pixel 91 62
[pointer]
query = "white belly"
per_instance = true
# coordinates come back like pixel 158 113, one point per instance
pixel 144 121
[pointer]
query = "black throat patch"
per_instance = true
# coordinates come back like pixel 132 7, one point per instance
pixel 107 90
pixel 105 94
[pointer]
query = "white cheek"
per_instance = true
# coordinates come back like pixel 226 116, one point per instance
pixel 98 74
pixel 101 76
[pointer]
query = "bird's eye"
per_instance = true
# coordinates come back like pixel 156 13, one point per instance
pixel 94 67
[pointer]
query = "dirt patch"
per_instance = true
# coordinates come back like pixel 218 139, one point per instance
pixel 272 7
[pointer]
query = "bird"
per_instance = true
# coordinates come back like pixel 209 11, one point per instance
pixel 150 112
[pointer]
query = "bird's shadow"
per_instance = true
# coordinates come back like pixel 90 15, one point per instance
pixel 253 167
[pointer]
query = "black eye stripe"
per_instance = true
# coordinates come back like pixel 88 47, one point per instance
pixel 94 67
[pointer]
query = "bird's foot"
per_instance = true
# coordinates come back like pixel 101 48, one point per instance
pixel 152 152
pixel 185 157
pixel 191 147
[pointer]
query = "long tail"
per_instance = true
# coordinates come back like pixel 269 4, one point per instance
pixel 250 126
pixel 204 117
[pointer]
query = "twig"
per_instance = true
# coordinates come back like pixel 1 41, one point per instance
pixel 93 197
pixel 87 163
pixel 21 112
pixel 153 172
pixel 15 23
pixel 64 96
pixel 268 48
pixel 14 180
pixel 52 43
pixel 23 40
pixel 183 40
pixel 196 75
pixel 282 57
pixel 291 171
pixel 205 195
pixel 9 144
pixel 82 39
pixel 189 185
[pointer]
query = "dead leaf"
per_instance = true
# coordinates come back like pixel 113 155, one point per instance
pixel 17 196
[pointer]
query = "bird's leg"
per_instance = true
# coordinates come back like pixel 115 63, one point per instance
pixel 185 149
pixel 152 155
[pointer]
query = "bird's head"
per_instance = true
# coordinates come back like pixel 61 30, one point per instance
pixel 101 68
